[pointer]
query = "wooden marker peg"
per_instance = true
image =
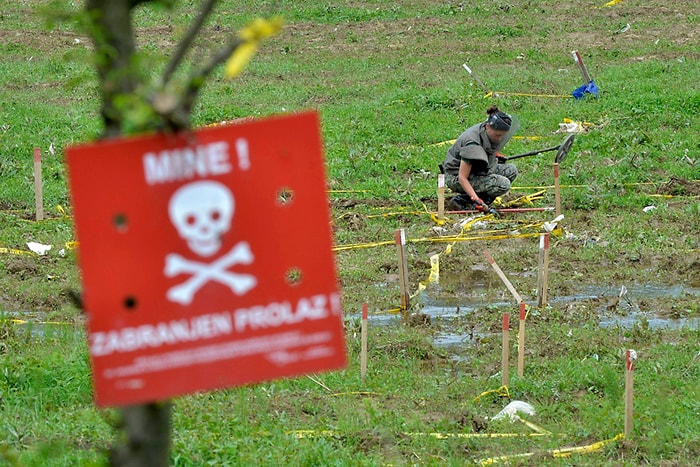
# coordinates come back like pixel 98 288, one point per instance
pixel 630 358
pixel 441 196
pixel 503 277
pixel 504 355
pixel 521 340
pixel 400 238
pixel 38 185
pixel 557 191
pixel 543 272
pixel 363 352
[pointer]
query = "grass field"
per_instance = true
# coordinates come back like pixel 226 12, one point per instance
pixel 388 83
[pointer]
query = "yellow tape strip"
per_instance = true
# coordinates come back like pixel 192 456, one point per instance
pixel 499 94
pixel 13 251
pixel 23 321
pixel 502 392
pixel 452 141
pixel 355 393
pixel 479 435
pixel 450 239
pixel 564 452
pixel 300 434
pixel 533 426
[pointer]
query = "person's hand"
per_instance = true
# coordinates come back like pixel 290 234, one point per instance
pixel 479 205
pixel 501 158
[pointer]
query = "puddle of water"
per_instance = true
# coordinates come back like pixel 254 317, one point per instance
pixel 448 305
pixel 654 323
pixel 36 324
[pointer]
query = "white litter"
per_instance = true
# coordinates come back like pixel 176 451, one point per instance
pixel 38 248
pixel 511 410
pixel 550 226
pixel 648 208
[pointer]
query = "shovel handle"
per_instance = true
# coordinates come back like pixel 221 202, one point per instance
pixel 579 61
pixel 532 153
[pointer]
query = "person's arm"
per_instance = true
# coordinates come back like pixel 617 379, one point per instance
pixel 465 169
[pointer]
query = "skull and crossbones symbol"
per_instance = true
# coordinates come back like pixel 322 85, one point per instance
pixel 202 212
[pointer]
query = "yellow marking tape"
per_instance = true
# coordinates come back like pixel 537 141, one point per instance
pixel 23 321
pixel 356 246
pixel 355 393
pixel 13 251
pixel 60 209
pixel 478 435
pixel 533 426
pixel 564 452
pixel 452 141
pixel 395 213
pixel 347 191
pixel 300 434
pixel 502 392
pixel 498 94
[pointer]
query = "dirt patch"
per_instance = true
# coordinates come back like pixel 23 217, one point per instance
pixel 23 268
pixel 679 187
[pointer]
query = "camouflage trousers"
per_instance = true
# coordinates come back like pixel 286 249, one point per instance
pixel 490 186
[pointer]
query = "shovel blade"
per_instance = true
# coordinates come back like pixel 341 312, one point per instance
pixel 588 88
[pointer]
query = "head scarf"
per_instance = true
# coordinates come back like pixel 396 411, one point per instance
pixel 499 121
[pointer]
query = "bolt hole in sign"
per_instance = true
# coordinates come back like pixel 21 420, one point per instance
pixel 206 258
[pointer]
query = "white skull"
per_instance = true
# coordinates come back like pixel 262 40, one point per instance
pixel 202 212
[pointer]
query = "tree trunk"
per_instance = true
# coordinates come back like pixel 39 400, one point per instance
pixel 113 37
pixel 146 436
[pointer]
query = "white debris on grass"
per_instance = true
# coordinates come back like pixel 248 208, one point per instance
pixel 38 248
pixel 511 410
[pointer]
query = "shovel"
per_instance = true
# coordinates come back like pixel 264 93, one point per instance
pixel 562 150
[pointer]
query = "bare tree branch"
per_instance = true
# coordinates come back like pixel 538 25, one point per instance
pixel 186 41
pixel 198 78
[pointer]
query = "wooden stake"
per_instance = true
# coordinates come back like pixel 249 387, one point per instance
pixel 503 277
pixel 521 341
pixel 441 196
pixel 630 358
pixel 543 270
pixel 557 192
pixel 403 270
pixel 363 352
pixel 504 356
pixel 38 185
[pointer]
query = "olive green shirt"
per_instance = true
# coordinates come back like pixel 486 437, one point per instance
pixel 474 147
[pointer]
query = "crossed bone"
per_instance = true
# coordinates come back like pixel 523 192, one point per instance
pixel 201 273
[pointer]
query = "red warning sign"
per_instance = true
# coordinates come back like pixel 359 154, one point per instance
pixel 206 258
